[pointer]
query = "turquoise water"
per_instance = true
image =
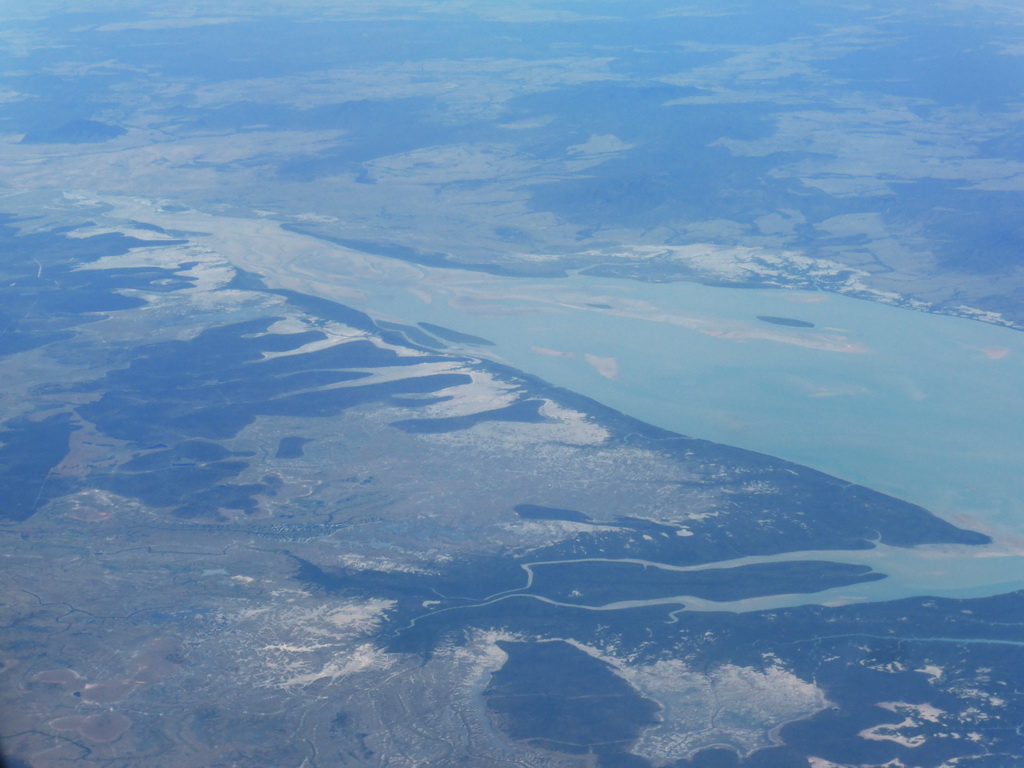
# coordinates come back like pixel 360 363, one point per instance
pixel 923 412
pixel 925 407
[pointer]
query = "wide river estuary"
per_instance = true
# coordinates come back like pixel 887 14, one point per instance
pixel 925 407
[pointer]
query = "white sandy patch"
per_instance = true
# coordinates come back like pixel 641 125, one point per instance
pixel 165 256
pixel 550 530
pixel 287 326
pixel 209 274
pixel 551 352
pixel 730 262
pixel 127 230
pixel 300 640
pixel 484 393
pixel 481 656
pixel 362 563
pixel 907 732
pixel 312 217
pixel 312 346
pixel 606 366
pixel 995 353
pixel 921 711
pixel 934 672
pixel 398 373
pixel 599 145
pixel 539 437
pixel 986 316
pixel 584 431
pixel 594 151
pixel 892 733
pixel 359 617
pixel 345 664
pixel 739 706
pixel 262 246
pixel 335 333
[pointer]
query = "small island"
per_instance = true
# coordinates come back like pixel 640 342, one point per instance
pixel 785 321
